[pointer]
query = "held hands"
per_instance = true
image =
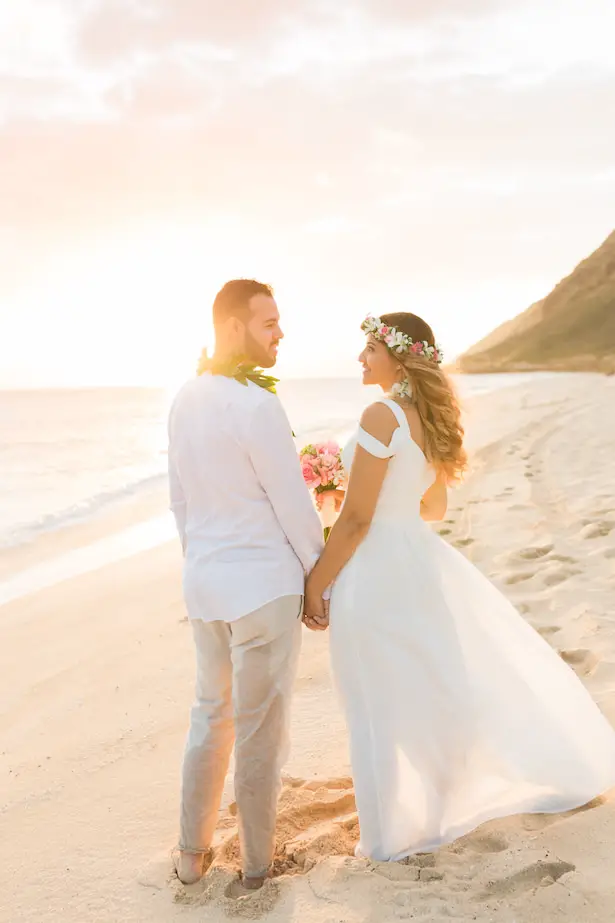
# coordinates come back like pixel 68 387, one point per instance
pixel 315 611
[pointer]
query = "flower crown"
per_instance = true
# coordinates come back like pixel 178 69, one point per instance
pixel 400 342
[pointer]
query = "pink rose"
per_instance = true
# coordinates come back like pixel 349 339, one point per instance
pixel 328 448
pixel 311 478
pixel 328 461
pixel 329 467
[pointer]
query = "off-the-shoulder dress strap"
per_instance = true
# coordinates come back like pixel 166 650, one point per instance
pixel 373 445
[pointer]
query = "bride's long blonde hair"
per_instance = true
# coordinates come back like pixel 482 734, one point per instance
pixel 435 399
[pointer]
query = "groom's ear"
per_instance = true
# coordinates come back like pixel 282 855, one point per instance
pixel 237 326
pixel 232 329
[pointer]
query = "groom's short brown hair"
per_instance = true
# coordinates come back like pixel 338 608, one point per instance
pixel 233 299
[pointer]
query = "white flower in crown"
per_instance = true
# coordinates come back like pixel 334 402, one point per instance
pixel 371 325
pixel 396 340
pixel 400 342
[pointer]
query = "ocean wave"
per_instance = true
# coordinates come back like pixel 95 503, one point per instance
pixel 80 512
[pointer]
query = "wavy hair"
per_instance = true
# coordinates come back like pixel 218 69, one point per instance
pixel 435 399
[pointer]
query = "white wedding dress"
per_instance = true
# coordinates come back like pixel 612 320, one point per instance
pixel 458 711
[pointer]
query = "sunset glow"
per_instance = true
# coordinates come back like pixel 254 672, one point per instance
pixel 451 158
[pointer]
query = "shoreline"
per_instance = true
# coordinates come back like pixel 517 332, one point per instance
pixel 139 500
pixel 151 505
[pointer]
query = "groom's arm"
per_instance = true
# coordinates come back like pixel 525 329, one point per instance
pixel 276 463
pixel 177 499
pixel 177 503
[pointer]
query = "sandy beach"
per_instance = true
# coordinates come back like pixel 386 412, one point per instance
pixel 97 677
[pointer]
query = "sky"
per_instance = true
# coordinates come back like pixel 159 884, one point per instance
pixel 454 158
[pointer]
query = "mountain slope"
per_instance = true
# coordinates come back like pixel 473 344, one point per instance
pixel 573 328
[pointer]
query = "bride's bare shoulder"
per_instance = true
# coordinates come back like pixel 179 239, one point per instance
pixel 379 421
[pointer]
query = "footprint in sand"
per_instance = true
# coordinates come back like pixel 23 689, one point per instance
pixel 597 529
pixel 552 576
pixel 444 532
pixel 583 661
pixel 464 542
pixel 421 860
pixel 535 823
pixel 529 878
pixel 547 631
pixel 483 843
pixel 599 514
pixel 521 577
pixel 316 818
pixel 533 553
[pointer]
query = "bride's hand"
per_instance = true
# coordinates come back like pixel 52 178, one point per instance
pixel 339 495
pixel 315 612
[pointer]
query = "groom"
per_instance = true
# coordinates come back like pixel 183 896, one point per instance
pixel 249 534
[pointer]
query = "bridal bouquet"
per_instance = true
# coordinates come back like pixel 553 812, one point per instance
pixel 323 472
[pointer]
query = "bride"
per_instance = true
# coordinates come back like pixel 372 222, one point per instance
pixel 458 711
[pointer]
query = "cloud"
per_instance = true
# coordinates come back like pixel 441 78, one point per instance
pixel 401 137
pixel 116 28
pixel 456 166
pixel 417 11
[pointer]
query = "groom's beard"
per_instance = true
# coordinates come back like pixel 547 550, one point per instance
pixel 257 353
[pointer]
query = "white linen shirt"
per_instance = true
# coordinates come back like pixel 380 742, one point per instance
pixel 247 524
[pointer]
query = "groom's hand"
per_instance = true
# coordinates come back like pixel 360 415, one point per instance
pixel 316 613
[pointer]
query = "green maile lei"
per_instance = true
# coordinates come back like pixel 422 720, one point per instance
pixel 239 369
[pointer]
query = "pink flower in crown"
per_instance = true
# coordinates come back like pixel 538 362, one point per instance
pixel 417 348
pixel 391 340
pixel 383 331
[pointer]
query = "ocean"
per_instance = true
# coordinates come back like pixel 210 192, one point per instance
pixel 66 454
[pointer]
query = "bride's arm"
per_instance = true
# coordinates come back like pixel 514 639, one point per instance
pixel 366 478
